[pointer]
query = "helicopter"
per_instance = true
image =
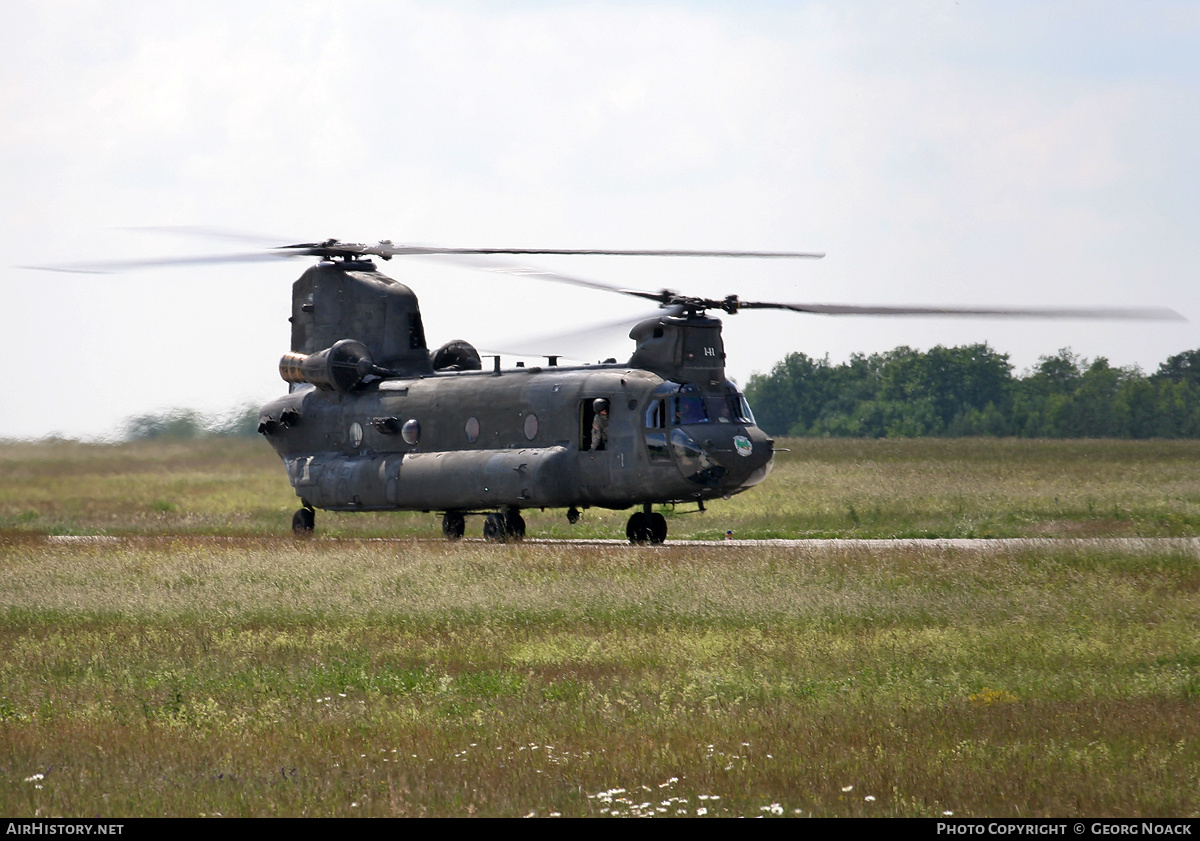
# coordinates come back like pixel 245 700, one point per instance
pixel 375 420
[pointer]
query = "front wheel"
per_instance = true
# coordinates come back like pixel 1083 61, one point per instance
pixel 658 528
pixel 638 528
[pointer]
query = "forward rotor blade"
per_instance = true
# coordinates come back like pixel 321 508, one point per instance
pixel 1098 313
pixel 423 249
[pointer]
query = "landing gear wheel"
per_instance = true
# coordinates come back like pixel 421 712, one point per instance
pixel 493 528
pixel 638 528
pixel 572 515
pixel 303 522
pixel 514 525
pixel 658 528
pixel 454 525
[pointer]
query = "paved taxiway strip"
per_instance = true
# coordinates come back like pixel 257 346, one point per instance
pixel 1125 544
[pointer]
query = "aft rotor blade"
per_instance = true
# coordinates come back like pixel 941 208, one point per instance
pixel 1098 313
pixel 474 261
pixel 335 249
pixel 572 344
pixel 205 232
pixel 114 266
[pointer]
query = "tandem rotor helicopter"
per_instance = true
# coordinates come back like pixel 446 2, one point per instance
pixel 374 420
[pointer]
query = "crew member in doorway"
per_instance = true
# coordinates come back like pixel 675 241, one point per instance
pixel 600 424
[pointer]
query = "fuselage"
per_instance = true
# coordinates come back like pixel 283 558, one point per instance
pixel 517 438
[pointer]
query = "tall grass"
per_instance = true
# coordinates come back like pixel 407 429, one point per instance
pixel 267 676
pixel 183 655
pixel 822 488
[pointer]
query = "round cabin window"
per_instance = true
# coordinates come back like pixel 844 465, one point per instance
pixel 355 434
pixel 472 429
pixel 531 426
pixel 411 431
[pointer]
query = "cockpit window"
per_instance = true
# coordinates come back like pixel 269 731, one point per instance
pixel 656 415
pixel 722 409
pixel 688 406
pixel 747 415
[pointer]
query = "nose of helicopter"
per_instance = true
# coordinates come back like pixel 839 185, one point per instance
pixel 745 452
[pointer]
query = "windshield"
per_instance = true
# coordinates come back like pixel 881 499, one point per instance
pixel 686 405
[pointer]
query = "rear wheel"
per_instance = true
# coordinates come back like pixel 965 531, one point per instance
pixel 514 525
pixel 303 522
pixel 493 528
pixel 454 525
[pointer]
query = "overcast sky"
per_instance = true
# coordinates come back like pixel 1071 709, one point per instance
pixel 1005 153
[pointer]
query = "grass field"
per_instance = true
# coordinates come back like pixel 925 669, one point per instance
pixel 823 488
pixel 199 661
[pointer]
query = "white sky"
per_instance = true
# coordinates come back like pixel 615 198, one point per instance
pixel 1005 153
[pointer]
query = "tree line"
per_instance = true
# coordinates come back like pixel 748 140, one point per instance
pixel 971 390
pixel 188 423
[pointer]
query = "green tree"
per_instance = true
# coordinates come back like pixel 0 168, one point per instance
pixel 175 423
pixel 1183 367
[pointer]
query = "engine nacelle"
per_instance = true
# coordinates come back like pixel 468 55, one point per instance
pixel 338 368
pixel 456 356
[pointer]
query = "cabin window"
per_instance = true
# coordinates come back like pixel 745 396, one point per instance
pixel 593 423
pixel 531 426
pixel 472 429
pixel 411 431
